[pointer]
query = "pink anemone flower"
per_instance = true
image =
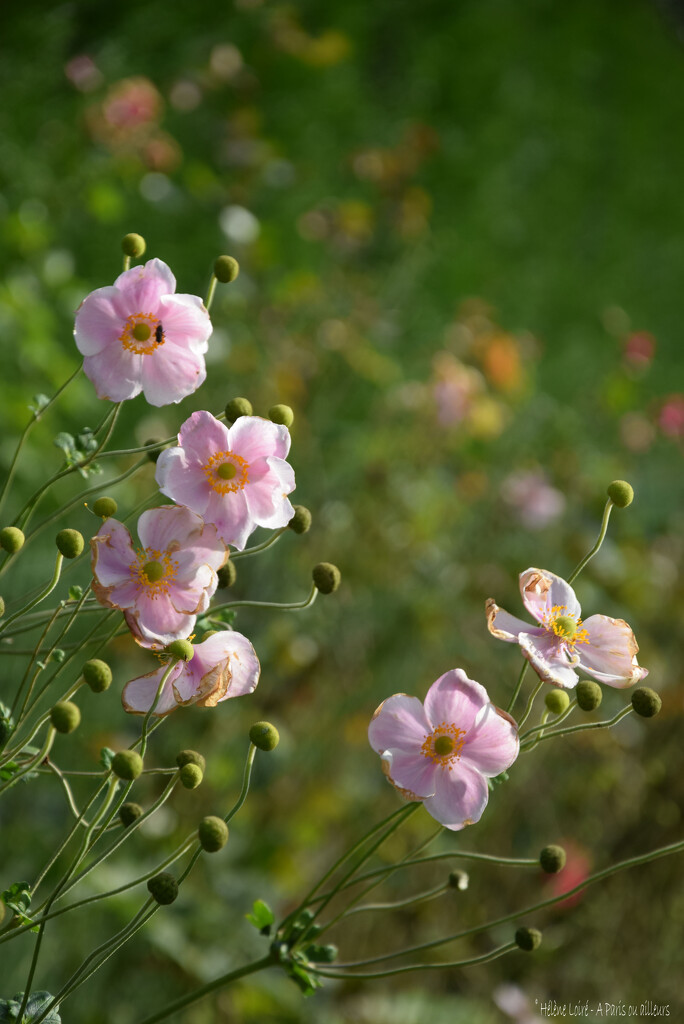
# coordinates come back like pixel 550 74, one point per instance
pixel 599 646
pixel 235 477
pixel 222 666
pixel 443 752
pixel 137 335
pixel 165 584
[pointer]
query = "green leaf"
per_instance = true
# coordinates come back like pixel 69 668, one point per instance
pixel 262 917
pixel 18 897
pixel 8 770
pixel 75 593
pixel 38 404
pixel 106 757
pixel 9 1009
pixel 308 983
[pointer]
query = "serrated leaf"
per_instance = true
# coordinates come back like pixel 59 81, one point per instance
pixel 262 917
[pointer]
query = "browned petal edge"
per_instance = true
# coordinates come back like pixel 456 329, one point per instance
pixel 534 581
pixel 214 685
pixel 492 610
pixel 504 714
pixel 542 667
pixel 406 793
pixel 631 639
pixel 381 706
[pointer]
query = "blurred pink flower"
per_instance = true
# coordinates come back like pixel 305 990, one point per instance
pixel 83 73
pixel 671 416
pixel 602 647
pixel 132 103
pixel 137 335
pixel 455 388
pixel 235 477
pixel 536 503
pixel 576 870
pixel 225 665
pixel 163 586
pixel 444 752
pixel 639 349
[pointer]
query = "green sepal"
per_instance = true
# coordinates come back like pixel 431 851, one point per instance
pixel 262 917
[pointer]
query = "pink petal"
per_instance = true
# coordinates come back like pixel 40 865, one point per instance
pixel 223 666
pixel 542 590
pixel 168 527
pixel 100 321
pixel 545 655
pixel 171 373
pixel 121 595
pixel 506 627
pixel 267 504
pixel 202 436
pixel 454 699
pixel 115 373
pixel 144 286
pixel 611 653
pixel 460 796
pixel 230 515
pixel 400 723
pixel 185 482
pixel 492 745
pixel 185 322
pixel 138 695
pixel 252 437
pixel 155 621
pixel 414 775
pixel 112 554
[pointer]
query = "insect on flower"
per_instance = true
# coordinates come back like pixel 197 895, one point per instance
pixel 159 333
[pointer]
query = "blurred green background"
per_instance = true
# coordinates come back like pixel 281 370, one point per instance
pixel 461 235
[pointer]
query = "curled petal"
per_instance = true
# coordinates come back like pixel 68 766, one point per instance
pixel 542 590
pixel 506 627
pixel 545 655
pixel 610 655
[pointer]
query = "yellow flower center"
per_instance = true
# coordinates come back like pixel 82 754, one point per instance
pixel 566 626
pixel 444 745
pixel 154 571
pixel 227 472
pixel 142 334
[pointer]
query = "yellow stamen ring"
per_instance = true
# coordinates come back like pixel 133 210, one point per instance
pixel 565 625
pixel 139 334
pixel 445 744
pixel 154 571
pixel 227 472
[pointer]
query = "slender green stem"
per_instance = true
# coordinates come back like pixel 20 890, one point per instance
pixel 146 721
pixel 41 597
pixel 72 832
pixel 606 724
pixel 36 759
pixel 419 897
pixel 523 670
pixel 259 547
pixel 530 702
pixel 602 533
pixel 292 607
pixel 210 293
pixel 199 993
pixel 33 658
pixel 545 723
pixel 470 962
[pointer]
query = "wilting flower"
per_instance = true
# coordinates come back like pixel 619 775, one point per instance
pixel 444 752
pixel 601 647
pixel 225 665
pixel 165 584
pixel 235 477
pixel 137 335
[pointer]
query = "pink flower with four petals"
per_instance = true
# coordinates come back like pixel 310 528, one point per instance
pixel 444 752
pixel 601 647
pixel 235 477
pixel 137 335
pixel 225 665
pixel 165 584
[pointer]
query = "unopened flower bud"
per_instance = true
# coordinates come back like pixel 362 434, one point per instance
pixel 65 716
pixel 97 674
pixel 226 269
pixel 163 888
pixel 552 859
pixel 557 701
pixel 191 776
pixel 281 414
pixel 105 507
pixel 646 702
pixel 264 736
pixel 621 493
pixel 212 833
pixel 181 649
pixel 226 575
pixel 301 520
pixel 11 539
pixel 130 812
pixel 326 577
pixel 458 880
pixel 154 453
pixel 127 764
pixel 191 757
pixel 133 245
pixel 238 407
pixel 528 939
pixel 589 695
pixel 70 543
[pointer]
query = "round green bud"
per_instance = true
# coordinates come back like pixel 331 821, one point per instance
pixel 458 880
pixel 105 507
pixel 97 674
pixel 209 632
pixel 621 493
pixel 191 776
pixel 552 859
pixel 11 539
pixel 2 607
pixel 70 543
pixel 127 764
pixel 191 757
pixel 133 245
pixel 301 520
pixel 646 702
pixel 226 269
pixel 322 954
pixel 264 736
pixel 154 453
pixel 65 716
pixel 281 414
pixel 163 888
pixel 212 833
pixel 557 701
pixel 129 812
pixel 238 407
pixel 181 649
pixel 326 577
pixel 589 695
pixel 226 575
pixel 528 939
